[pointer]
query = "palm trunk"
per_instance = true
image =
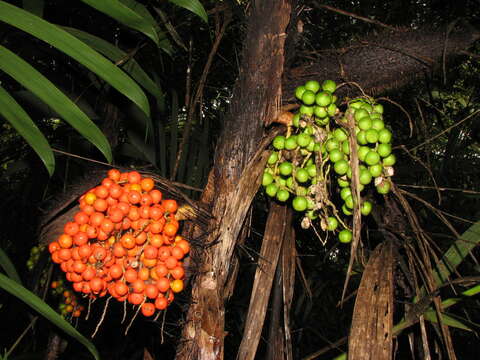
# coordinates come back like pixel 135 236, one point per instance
pixel 232 184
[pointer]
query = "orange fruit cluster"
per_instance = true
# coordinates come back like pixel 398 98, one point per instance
pixel 69 303
pixel 124 242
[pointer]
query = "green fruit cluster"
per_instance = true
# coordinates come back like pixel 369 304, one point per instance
pixel 374 150
pixel 68 306
pixel 35 252
pixel 317 143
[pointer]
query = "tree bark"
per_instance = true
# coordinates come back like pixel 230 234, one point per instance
pixel 232 185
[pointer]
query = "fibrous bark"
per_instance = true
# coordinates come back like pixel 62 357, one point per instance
pixel 278 224
pixel 257 97
pixel 384 62
pixel 372 323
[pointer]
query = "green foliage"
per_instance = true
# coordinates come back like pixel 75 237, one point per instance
pixel 25 126
pixel 8 267
pixel 43 309
pixel 29 77
pixel 192 5
pixel 126 16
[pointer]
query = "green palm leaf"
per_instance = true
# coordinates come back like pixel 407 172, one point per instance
pixel 42 308
pixel 456 253
pixel 25 126
pixel 120 57
pixel 125 15
pixel 194 6
pixel 67 43
pixel 8 266
pixel 31 79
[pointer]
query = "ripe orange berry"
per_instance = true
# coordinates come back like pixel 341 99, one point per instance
pixel 84 251
pixel 65 254
pixel 148 309
pixel 100 205
pixel 146 200
pixel 153 274
pixel 177 252
pixel 121 288
pixel 133 252
pixel 107 226
pixel 135 298
pixel 156 240
pixel 96 285
pixel 138 286
pixel 156 212
pixel 126 224
pixel 149 263
pixel 53 246
pixel 134 213
pixel 135 187
pixel 77 286
pixel 124 207
pixel 115 191
pixel 118 250
pixel 156 196
pixel 156 226
pixel 151 291
pixel 90 198
pixel 130 275
pixel 134 197
pixel 96 219
pixel 107 182
pixel 115 271
pixel 150 252
pixel 141 238
pixel 65 241
pixel 80 238
pixel 88 209
pixel 81 218
pixel 114 174
pixel 176 285
pixel 55 258
pixel 89 273
pixel 79 267
pixel 100 253
pixel 134 177
pixel 177 272
pixel 144 212
pixel 91 232
pixel 171 262
pixel 128 241
pixel 76 277
pixel 170 205
pixel 101 192
pixel 161 303
pixel 75 254
pixel 170 229
pixel 111 201
pixel 147 184
pixel 143 274
pixel 71 228
pixel 101 235
pixel 163 284
pixel 164 252
pixel 183 244
pixel 116 215
pixel 161 270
